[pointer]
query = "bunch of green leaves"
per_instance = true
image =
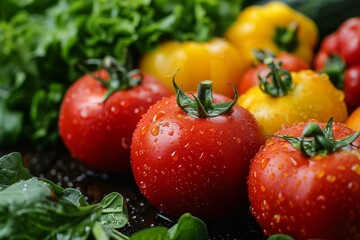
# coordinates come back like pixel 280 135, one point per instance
pixel 34 208
pixel 42 42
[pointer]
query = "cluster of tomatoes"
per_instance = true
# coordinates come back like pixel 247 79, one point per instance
pixel 211 154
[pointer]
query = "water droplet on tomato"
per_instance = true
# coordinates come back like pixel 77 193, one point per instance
pixel 238 140
pixel 281 197
pixel 122 103
pixel 186 145
pixel 174 156
pixel 272 176
pixel 158 115
pixel 84 113
pixel 341 167
pixel 192 128
pixel 265 205
pixel 356 168
pixel 320 198
pixel 181 167
pixel 155 131
pixel 320 174
pixel 142 185
pixel 171 133
pixel 144 174
pixel 136 110
pixel 143 130
pixel 124 143
pixel 113 109
pixel 293 161
pixel 219 142
pixel 68 136
pixel 146 167
pixel 277 218
pixel 178 116
pixel 201 155
pixel 331 178
pixel 264 162
pixel 353 186
pixel 262 188
pixel 213 130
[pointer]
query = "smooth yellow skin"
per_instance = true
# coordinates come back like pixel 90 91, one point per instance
pixel 255 29
pixel 216 60
pixel 312 97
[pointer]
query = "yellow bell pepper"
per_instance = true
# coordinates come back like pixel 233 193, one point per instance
pixel 275 27
pixel 288 98
pixel 215 60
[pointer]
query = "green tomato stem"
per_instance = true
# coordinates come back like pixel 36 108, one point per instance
pixel 280 80
pixel 202 105
pixel 315 140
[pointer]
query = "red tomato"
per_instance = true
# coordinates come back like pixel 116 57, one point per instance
pixel 352 87
pixel 190 164
pixel 289 62
pixel 97 132
pixel 339 56
pixel 314 197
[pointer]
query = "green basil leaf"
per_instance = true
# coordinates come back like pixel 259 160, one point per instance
pixel 114 213
pixel 153 233
pixel 74 196
pixel 189 227
pixel 24 193
pixel 30 210
pixel 12 169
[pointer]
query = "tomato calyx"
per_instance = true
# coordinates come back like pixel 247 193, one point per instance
pixel 285 38
pixel 202 106
pixel 119 77
pixel 335 68
pixel 315 140
pixel 280 80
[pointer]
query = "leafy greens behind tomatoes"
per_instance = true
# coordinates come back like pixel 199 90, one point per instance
pixel 43 41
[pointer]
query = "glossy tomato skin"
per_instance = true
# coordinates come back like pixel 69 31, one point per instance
pixel 344 43
pixel 306 198
pixel 99 133
pixel 352 87
pixel 289 62
pixel 198 165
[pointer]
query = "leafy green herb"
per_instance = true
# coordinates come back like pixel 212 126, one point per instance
pixel 188 227
pixel 43 41
pixel 12 170
pixel 34 208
